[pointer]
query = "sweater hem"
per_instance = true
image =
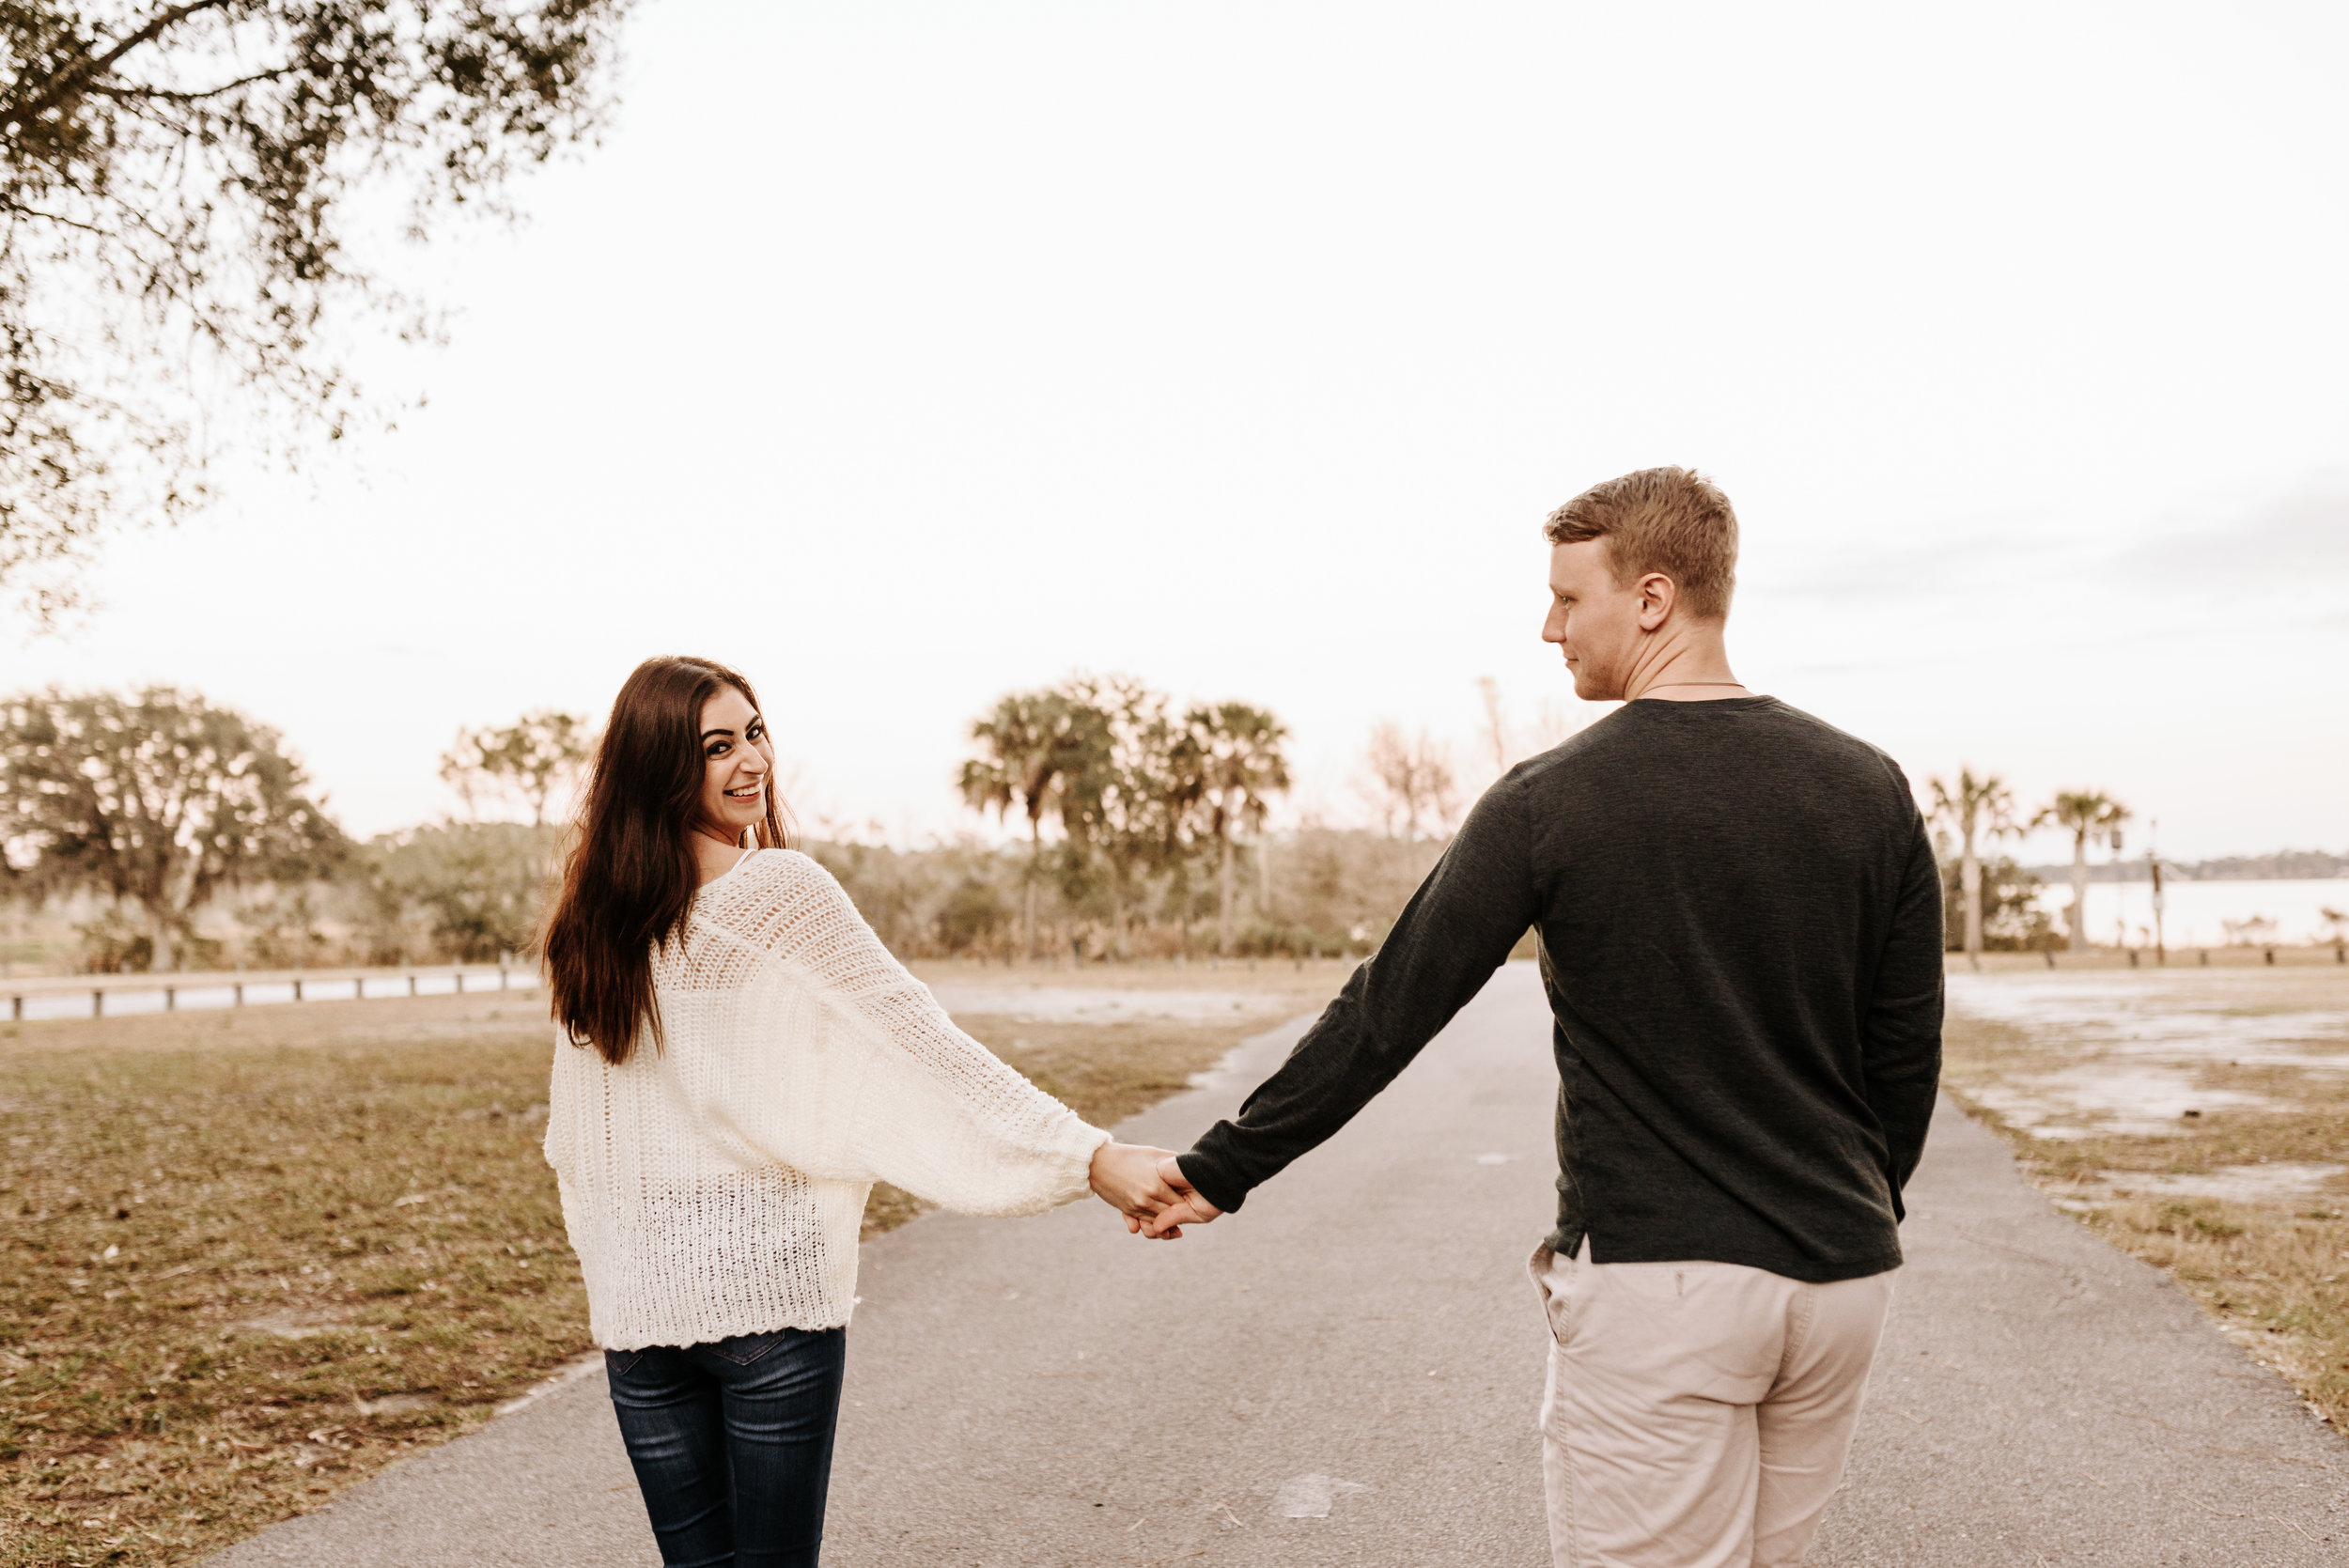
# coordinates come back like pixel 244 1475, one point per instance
pixel 646 1338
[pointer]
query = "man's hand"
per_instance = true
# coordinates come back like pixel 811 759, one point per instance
pixel 1126 1176
pixel 1192 1209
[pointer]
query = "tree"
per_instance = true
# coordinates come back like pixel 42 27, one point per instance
pixel 176 186
pixel 534 758
pixel 2089 816
pixel 2012 920
pixel 1127 806
pixel 1231 753
pixel 1508 742
pixel 1030 747
pixel 1977 809
pixel 479 886
pixel 1496 737
pixel 158 798
pixel 1410 779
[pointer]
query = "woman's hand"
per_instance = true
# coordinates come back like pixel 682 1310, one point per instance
pixel 1126 1177
pixel 1195 1209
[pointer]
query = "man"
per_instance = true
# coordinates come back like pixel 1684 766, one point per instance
pixel 1739 922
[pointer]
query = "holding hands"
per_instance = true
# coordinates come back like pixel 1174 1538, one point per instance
pixel 1148 1188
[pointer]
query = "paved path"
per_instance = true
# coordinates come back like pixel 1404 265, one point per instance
pixel 1346 1373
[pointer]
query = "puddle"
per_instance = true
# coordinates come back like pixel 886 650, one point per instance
pixel 2108 1097
pixel 2286 1183
pixel 2277 1181
pixel 2139 1044
pixel 2203 1021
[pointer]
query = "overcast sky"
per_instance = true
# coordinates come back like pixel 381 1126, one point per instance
pixel 904 354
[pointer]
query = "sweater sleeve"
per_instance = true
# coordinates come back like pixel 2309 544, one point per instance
pixel 1901 1033
pixel 911 1099
pixel 1457 928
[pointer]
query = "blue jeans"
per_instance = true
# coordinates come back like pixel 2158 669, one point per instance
pixel 732 1444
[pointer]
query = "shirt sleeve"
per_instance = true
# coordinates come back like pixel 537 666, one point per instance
pixel 1901 1033
pixel 1457 928
pixel 906 1096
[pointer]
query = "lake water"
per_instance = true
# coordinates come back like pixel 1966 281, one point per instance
pixel 2194 913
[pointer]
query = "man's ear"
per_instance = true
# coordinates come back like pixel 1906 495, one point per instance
pixel 1658 595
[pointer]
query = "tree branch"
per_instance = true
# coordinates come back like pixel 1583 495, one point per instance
pixel 82 68
pixel 126 92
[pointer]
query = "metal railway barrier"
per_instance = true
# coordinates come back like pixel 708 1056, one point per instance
pixel 60 997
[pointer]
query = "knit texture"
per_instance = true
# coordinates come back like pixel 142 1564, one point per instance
pixel 714 1185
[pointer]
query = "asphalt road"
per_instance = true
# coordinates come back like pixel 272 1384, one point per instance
pixel 1346 1373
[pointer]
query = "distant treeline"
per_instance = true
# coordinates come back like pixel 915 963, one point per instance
pixel 152 830
pixel 1317 891
pixel 2285 865
pixel 472 891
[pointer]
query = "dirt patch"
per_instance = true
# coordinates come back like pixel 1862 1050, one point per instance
pixel 2198 1121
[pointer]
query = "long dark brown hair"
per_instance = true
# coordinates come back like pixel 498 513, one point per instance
pixel 631 873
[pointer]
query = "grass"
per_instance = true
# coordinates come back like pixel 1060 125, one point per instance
pixel 2274 1274
pixel 255 1256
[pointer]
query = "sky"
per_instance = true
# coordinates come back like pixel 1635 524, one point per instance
pixel 904 355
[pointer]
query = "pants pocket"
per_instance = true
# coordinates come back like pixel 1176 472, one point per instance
pixel 744 1349
pixel 619 1364
pixel 1553 1303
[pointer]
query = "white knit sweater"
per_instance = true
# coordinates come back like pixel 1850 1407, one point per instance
pixel 714 1187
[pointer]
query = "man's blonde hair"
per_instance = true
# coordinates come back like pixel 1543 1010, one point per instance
pixel 1673 520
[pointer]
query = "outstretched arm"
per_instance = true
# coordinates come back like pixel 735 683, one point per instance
pixel 883 1085
pixel 1457 928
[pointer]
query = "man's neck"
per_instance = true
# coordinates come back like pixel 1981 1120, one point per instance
pixel 1684 664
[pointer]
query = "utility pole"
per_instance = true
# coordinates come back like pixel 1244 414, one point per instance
pixel 2152 863
pixel 2120 890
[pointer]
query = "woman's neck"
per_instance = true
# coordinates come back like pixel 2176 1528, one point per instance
pixel 715 855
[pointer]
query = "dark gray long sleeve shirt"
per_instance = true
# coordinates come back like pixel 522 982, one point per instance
pixel 1739 922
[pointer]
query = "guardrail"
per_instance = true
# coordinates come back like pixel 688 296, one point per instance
pixel 98 996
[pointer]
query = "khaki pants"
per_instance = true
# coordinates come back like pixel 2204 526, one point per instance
pixel 1698 1414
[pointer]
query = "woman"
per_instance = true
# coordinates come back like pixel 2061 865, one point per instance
pixel 744 1061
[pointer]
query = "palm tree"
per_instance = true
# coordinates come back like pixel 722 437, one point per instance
pixel 1231 754
pixel 1982 807
pixel 2090 816
pixel 1125 801
pixel 1030 748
